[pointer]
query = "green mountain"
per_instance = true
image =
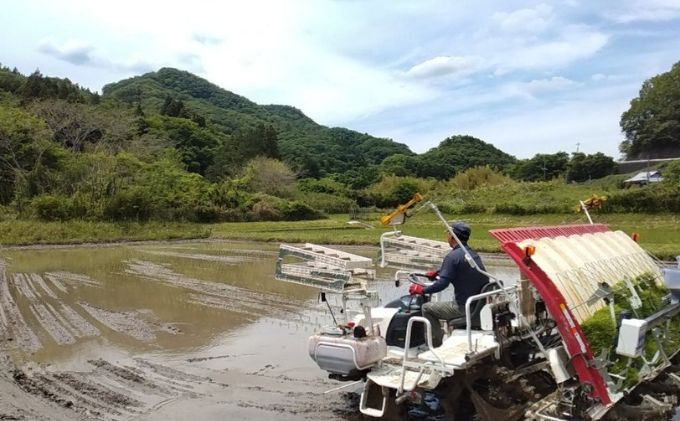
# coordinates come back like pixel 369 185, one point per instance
pixel 453 155
pixel 457 153
pixel 311 149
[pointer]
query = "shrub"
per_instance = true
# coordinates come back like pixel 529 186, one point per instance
pixel 392 191
pixel 269 176
pixel 57 207
pixel 265 207
pixel 671 174
pixel 322 185
pixel 297 211
pixel 527 209
pixel 266 211
pixel 135 203
pixel 476 177
pixel 325 202
pixel 656 198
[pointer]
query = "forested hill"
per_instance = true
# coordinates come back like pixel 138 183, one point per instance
pixel 311 149
pixel 169 145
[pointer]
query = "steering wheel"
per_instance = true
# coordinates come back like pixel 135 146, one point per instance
pixel 413 278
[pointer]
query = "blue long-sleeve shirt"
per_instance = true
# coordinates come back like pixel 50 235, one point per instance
pixel 456 271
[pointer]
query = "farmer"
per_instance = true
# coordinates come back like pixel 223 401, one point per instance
pixel 455 270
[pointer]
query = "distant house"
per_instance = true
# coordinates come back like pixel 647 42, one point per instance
pixel 643 178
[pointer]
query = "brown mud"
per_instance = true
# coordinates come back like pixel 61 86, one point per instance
pixel 156 332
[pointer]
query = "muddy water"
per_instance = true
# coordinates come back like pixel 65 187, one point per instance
pixel 164 331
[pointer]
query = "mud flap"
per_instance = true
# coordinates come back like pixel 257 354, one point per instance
pixel 368 395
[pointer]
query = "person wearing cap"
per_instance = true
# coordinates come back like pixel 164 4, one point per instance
pixel 455 270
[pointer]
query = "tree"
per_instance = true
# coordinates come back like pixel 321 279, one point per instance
pixel 76 125
pixel 584 167
pixel 195 144
pixel 652 123
pixel 242 147
pixel 269 176
pixel 458 153
pixel 400 165
pixel 27 157
pixel 541 167
pixel 671 174
pixel 173 107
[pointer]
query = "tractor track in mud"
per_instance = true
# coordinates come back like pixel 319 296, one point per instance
pixel 109 390
pixel 214 294
pixel 15 330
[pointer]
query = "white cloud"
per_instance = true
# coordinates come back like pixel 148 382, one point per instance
pixel 443 66
pixel 79 53
pixel 206 39
pixel 74 52
pixel 418 71
pixel 645 10
pixel 575 44
pixel 553 84
pixel 536 19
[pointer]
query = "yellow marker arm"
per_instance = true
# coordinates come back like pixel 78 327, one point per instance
pixel 401 209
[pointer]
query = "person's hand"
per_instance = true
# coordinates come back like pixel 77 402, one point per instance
pixel 432 275
pixel 415 289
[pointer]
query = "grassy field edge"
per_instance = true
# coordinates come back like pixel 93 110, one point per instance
pixel 659 233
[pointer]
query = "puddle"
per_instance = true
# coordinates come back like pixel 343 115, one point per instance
pixel 158 331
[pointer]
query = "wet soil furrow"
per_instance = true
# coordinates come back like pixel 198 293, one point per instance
pixel 18 331
pixel 58 332
pixel 22 286
pixel 62 320
pixel 239 298
pixel 36 387
pixel 83 402
pixel 128 323
pixel 38 280
pixel 131 378
pixel 98 392
pixel 231 260
pixel 170 373
pixel 84 327
pixel 222 304
pixel 73 279
pixel 57 283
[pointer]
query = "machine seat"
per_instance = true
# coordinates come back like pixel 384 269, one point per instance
pixel 460 322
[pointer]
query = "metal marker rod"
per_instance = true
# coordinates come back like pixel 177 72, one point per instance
pixel 585 210
pixel 335 389
pixel 468 256
pixel 330 310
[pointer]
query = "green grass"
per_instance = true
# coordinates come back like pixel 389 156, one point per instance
pixel 659 233
pixel 25 232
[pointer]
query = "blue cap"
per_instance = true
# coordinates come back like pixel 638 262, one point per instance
pixel 462 230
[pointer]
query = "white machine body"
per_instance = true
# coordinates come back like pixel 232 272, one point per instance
pixel 631 337
pixel 345 354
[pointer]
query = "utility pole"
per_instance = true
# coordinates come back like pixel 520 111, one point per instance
pixel 545 170
pixel 578 144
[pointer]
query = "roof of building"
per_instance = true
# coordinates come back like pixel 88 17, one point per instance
pixel 645 176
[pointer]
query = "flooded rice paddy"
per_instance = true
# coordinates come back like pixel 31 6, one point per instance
pixel 163 331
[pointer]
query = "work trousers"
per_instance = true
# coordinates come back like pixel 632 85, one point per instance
pixel 434 312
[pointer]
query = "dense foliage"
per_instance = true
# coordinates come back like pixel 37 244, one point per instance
pixel 579 167
pixel 454 154
pixel 652 123
pixel 169 146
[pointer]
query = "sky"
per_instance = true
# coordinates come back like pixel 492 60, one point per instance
pixel 528 77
